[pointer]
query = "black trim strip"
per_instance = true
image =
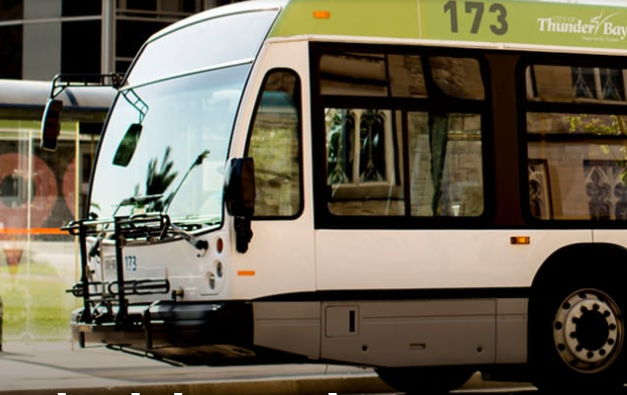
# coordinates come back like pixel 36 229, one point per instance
pixel 399 294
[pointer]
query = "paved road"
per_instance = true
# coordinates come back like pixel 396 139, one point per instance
pixel 59 367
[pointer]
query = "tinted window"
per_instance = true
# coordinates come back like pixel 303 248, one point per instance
pixel 403 134
pixel 576 138
pixel 399 75
pixel 275 147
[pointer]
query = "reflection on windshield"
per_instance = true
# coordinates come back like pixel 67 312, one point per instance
pixel 158 181
pixel 177 166
pixel 199 160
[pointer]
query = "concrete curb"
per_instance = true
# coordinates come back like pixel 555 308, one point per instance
pixel 367 383
pixel 358 384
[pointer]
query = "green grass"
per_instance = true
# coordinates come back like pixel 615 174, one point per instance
pixel 35 305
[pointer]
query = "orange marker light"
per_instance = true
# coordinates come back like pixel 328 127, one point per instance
pixel 520 240
pixel 322 14
pixel 245 272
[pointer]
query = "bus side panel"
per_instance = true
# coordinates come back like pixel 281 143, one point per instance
pixel 610 236
pixel 410 333
pixel 482 275
pixel 434 259
pixel 397 333
pixel 292 327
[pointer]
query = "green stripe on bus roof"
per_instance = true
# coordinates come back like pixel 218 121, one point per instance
pixel 384 18
pixel 509 21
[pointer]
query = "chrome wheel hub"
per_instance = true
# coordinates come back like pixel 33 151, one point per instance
pixel 588 330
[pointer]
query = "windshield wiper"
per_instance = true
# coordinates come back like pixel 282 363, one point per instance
pixel 136 200
pixel 199 159
pixel 201 245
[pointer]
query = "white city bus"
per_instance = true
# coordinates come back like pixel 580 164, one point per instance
pixel 418 186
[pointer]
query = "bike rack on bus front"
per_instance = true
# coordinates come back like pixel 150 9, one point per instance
pixel 96 294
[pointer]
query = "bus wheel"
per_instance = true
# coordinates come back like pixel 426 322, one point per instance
pixel 432 381
pixel 576 338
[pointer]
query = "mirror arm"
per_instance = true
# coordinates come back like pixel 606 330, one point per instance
pixel 51 118
pixel 243 233
pixel 239 197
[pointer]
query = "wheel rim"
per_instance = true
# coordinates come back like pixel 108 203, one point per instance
pixel 588 330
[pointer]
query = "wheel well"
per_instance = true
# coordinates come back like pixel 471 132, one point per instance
pixel 563 291
pixel 578 259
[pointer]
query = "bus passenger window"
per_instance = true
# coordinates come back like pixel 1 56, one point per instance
pixel 398 141
pixel 445 165
pixel 353 74
pixel 576 138
pixel 458 77
pixel 275 147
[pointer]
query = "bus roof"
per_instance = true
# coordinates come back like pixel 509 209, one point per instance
pixel 541 23
pixel 230 9
pixel 505 21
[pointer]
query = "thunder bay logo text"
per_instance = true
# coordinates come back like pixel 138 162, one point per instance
pixel 598 28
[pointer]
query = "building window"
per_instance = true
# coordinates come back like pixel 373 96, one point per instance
pixel 357 155
pixel 11 38
pixel 81 7
pixel 80 47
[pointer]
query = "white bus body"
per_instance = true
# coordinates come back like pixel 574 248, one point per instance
pixel 429 191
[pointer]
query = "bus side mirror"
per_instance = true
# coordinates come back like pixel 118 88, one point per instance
pixel 51 125
pixel 128 145
pixel 239 197
pixel 239 190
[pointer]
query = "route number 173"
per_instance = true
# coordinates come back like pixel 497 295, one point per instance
pixel 130 263
pixel 476 10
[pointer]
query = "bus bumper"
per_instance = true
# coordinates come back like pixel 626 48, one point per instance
pixel 187 333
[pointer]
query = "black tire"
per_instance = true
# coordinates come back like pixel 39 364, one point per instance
pixel 425 381
pixel 577 334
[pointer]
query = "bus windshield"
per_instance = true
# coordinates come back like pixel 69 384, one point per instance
pixel 166 141
pixel 180 141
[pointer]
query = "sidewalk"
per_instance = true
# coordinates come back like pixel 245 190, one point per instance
pixel 50 368
pixel 58 367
